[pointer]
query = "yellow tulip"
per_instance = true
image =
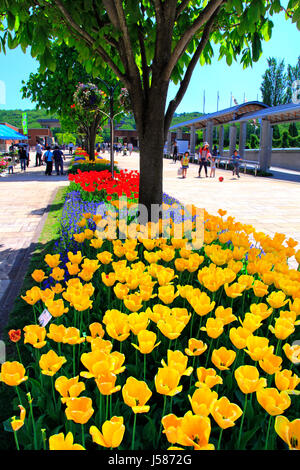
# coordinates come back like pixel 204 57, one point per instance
pixel 196 347
pixel 286 381
pixel 79 410
pixel 258 347
pixel 17 424
pixel 177 360
pixel 52 260
pixel 225 413
pixel 202 401
pixel 133 302
pixel 238 337
pixel 223 358
pixel 72 336
pixel 35 335
pixel 50 363
pixel 214 327
pixel 225 314
pixel 167 381
pixel 136 394
pixel 271 363
pixel 69 388
pixel 60 442
pixel 288 431
pixel 112 433
pixel 38 275
pixel 277 299
pixel 56 307
pixel 248 379
pixel 283 328
pixel 146 342
pixel 56 332
pixel 167 294
pixel 274 402
pixel 12 373
pixel 292 353
pixel 194 431
pixel 261 310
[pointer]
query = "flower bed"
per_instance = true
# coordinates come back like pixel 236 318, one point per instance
pixel 152 345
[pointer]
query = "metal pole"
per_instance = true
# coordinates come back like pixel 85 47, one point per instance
pixel 112 131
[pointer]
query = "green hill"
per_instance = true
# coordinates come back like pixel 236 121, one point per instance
pixel 14 117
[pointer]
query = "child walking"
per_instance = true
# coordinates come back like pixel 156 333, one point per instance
pixel 185 163
pixel 212 166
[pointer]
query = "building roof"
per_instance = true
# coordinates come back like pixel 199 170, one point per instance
pixel 276 114
pixel 224 116
pixel 50 122
pixel 7 133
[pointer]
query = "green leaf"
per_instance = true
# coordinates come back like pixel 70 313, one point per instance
pixel 7 425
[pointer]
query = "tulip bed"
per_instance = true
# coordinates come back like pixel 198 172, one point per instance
pixel 154 345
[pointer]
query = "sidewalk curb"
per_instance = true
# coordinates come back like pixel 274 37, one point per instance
pixel 19 270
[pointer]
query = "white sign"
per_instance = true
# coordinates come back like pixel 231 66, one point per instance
pixel 45 317
pixel 2 352
pixel 183 146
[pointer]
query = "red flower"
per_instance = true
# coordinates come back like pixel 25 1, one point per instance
pixel 14 335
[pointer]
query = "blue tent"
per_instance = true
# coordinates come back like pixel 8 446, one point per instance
pixel 6 133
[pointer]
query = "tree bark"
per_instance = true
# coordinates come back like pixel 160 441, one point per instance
pixel 151 141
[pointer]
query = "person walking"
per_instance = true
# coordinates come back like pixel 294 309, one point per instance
pixel 48 158
pixel 204 155
pixel 39 153
pixel 175 152
pixel 185 163
pixel 23 158
pixel 130 148
pixel 71 147
pixel 58 158
pixel 236 160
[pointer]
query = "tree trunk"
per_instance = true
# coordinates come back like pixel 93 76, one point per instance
pixel 151 140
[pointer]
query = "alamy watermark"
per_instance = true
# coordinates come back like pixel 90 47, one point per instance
pixel 2 352
pixel 2 92
pixel 296 92
pixel 175 221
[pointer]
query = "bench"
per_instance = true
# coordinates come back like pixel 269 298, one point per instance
pixel 246 164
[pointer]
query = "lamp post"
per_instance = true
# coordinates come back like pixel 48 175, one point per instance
pixel 111 116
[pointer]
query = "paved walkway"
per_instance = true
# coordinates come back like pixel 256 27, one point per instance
pixel 24 202
pixel 270 204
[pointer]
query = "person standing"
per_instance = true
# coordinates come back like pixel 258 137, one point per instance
pixel 236 160
pixel 185 163
pixel 130 148
pixel 48 158
pixel 204 155
pixel 59 158
pixel 23 158
pixel 38 157
pixel 71 147
pixel 175 151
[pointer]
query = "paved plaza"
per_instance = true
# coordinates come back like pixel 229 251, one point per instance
pixel 270 204
pixel 25 199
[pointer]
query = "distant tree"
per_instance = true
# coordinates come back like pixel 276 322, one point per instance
pixel 276 132
pixel 293 74
pixel 254 141
pixel 293 131
pixel 285 140
pixel 274 83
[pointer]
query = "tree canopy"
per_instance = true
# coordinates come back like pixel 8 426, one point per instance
pixel 146 43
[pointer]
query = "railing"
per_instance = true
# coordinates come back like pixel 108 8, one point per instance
pixel 243 163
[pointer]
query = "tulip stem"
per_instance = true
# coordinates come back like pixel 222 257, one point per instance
pixel 220 438
pixel 19 397
pixel 33 425
pixel 133 433
pixel 268 432
pixel 82 434
pixel 74 369
pixel 191 376
pixel 16 440
pixel 144 367
pixel 242 422
pixel 106 408
pixel 53 392
pixel 110 406
pixel 100 409
pixel 208 354
pixel 278 346
pixel 163 414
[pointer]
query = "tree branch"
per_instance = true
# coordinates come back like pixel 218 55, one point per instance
pixel 208 12
pixel 90 41
pixel 145 67
pixel 112 13
pixel 188 74
pixel 181 7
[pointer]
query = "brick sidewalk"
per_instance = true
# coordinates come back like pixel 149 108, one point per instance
pixel 25 199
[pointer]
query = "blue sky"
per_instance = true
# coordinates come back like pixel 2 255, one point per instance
pixel 16 66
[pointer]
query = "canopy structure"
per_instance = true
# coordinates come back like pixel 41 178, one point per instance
pixel 239 116
pixel 6 133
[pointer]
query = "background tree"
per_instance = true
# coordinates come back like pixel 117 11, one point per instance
pixel 146 43
pixel 274 83
pixel 53 90
pixel 293 74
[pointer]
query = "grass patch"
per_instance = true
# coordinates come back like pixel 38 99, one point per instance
pixel 21 313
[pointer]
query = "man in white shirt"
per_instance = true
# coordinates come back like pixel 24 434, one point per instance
pixel 39 152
